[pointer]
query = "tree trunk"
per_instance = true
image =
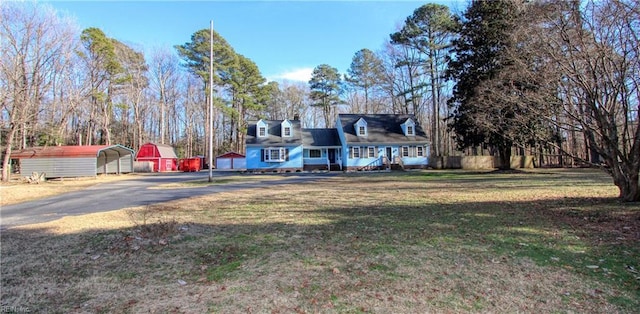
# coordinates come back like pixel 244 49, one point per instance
pixel 504 153
pixel 7 154
pixel 629 191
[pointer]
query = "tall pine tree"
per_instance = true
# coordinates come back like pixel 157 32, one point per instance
pixel 326 87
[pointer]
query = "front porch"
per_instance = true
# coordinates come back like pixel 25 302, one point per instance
pixel 322 158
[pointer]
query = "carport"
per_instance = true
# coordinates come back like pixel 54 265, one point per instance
pixel 75 161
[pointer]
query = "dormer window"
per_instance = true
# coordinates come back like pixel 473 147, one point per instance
pixel 409 128
pixel 262 128
pixel 286 129
pixel 361 127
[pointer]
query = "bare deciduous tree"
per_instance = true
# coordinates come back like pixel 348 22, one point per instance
pixel 33 42
pixel 596 49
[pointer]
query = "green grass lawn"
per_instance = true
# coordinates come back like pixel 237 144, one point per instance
pixel 403 242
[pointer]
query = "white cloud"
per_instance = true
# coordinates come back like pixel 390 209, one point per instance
pixel 301 75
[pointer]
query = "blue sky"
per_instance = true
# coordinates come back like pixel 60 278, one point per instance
pixel 286 39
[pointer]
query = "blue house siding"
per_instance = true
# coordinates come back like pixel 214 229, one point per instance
pixel 414 161
pixel 364 160
pixel 255 161
pixel 356 163
pixel 392 136
pixel 322 160
pixel 343 141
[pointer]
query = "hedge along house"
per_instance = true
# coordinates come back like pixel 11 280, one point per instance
pixel 75 161
pixel 382 141
pixel 163 156
pixel 274 145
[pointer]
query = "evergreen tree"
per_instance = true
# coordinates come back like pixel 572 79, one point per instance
pixel 481 58
pixel 366 73
pixel 246 96
pixel 428 31
pixel 326 88
pixel 105 74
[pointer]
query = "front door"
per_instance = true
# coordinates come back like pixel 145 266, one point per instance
pixel 389 154
pixel 332 155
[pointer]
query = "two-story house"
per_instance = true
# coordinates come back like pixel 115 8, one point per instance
pixel 274 145
pixel 359 142
pixel 378 141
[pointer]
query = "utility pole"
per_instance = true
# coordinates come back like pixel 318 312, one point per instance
pixel 211 103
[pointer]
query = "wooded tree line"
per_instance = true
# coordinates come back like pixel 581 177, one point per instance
pixel 557 79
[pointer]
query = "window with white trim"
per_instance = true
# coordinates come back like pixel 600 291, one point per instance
pixel 371 152
pixel 262 131
pixel 356 151
pixel 361 127
pixel 409 130
pixel 405 151
pixel 286 128
pixel 420 151
pixel 275 154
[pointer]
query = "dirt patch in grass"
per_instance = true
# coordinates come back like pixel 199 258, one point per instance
pixel 358 243
pixel 19 191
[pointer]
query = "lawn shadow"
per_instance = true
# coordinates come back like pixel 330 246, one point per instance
pixel 594 238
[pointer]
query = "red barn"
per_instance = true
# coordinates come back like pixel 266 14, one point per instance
pixel 163 156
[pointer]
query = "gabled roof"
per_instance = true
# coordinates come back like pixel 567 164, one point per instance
pixel 231 155
pixel 165 151
pixel 381 128
pixel 274 133
pixel 320 138
pixel 69 151
pixel 406 121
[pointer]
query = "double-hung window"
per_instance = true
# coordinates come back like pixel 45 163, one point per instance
pixel 420 151
pixel 405 151
pixel 356 152
pixel 315 153
pixel 275 154
pixel 409 130
pixel 262 131
pixel 371 152
pixel 287 131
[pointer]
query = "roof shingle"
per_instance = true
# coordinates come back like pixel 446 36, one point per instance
pixel 320 138
pixel 381 128
pixel 274 133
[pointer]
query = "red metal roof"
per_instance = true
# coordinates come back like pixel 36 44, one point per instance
pixel 64 151
pixel 231 155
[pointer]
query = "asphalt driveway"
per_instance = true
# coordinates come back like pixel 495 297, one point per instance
pixel 127 193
